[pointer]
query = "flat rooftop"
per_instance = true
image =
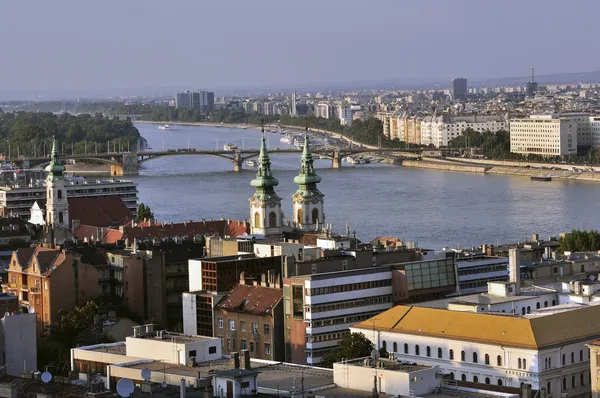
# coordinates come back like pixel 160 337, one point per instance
pixel 175 337
pixel 489 299
pixel 110 348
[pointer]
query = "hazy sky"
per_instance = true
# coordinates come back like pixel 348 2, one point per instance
pixel 94 44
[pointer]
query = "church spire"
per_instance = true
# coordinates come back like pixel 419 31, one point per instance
pixel 264 176
pixel 307 175
pixel 55 168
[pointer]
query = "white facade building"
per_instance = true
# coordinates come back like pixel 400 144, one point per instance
pixel 546 135
pixel 345 115
pixel 19 343
pixel 546 348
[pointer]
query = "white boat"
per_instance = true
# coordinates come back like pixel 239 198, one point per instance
pixel 230 147
pixel 287 139
pixel 164 127
pixel 251 163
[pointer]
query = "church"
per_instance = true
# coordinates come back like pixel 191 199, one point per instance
pixel 266 216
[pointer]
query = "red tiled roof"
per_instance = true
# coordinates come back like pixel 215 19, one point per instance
pixel 251 299
pixel 47 258
pixel 112 236
pixel 108 211
pixel 190 229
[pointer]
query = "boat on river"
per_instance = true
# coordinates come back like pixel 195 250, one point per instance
pixel 230 147
pixel 164 127
pixel 251 163
pixel 541 178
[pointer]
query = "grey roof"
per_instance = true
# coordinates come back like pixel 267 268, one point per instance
pixel 235 373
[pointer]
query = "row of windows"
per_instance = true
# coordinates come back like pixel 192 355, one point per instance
pixel 316 338
pixel 341 320
pixel 245 346
pixel 482 269
pixel 348 287
pixel 254 326
pixel 463 377
pixel 340 305
pixel 481 282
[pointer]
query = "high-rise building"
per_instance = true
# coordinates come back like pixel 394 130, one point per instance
pixel 294 112
pixel 345 115
pixel 531 86
pixel 184 100
pixel 459 89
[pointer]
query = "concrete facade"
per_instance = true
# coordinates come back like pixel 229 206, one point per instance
pixel 19 343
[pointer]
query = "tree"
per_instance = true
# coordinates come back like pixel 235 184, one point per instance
pixel 353 345
pixel 578 241
pixel 144 212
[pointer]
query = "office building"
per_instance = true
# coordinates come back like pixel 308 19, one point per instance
pixel 202 100
pixel 546 135
pixel 184 100
pixel 345 115
pixel 474 272
pixel 459 89
pixel 294 99
pixel 17 199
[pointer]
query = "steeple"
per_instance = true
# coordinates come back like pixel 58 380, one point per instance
pixel 265 205
pixel 55 168
pixel 308 200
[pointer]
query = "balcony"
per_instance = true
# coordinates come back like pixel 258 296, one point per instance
pixel 12 286
pixel 24 287
pixel 34 290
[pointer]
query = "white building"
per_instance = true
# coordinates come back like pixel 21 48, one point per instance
pixel 546 135
pixel 19 343
pixel 345 115
pixel 324 110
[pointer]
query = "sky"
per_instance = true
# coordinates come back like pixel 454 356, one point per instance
pixel 79 45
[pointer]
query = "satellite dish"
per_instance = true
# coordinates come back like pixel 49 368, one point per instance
pixel 146 373
pixel 164 384
pixel 375 354
pixel 46 377
pixel 125 387
pixel 31 310
pixel 592 278
pixel 7 314
pixel 545 256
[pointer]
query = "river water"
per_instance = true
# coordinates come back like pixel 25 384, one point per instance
pixel 433 208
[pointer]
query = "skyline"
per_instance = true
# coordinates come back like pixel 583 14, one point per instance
pixel 141 46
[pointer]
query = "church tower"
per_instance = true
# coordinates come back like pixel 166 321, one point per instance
pixel 308 200
pixel 57 207
pixel 265 205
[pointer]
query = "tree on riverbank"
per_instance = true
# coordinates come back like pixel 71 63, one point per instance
pixel 144 212
pixel 28 133
pixel 579 241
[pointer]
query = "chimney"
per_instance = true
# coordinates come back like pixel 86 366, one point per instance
pixel 182 388
pixel 514 269
pixel 242 278
pixel 526 391
pixel 245 359
pixel 234 360
pixel 263 282
pixel 536 237
pixel 228 221
pixel 244 223
pixel 548 251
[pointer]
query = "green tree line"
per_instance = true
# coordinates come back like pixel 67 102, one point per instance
pixel 580 241
pixel 29 133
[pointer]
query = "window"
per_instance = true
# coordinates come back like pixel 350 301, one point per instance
pixel 487 359
pixel 297 302
pixel 243 326
pixel 524 363
pixel 463 377
pixel 553 302
pixel 581 355
pixel 272 219
pixel 572 381
pixel 233 344
pixel 523 311
pixel 439 352
pixel 582 379
pixel 384 345
pixel 564 360
pixel 405 348
pixel 537 306
pixel 417 350
pixel 267 329
pixel 254 329
pixel 243 344
pixel 549 363
pixel 499 360
pixel 251 346
pixel 220 322
pixel 549 388
pixel 564 383
pixel 519 363
pixel 474 357
pixel 572 357
pixel 212 349
pixel 315 215
pixel 232 324
pixel 192 353
pixel 228 344
pixel 545 304
pixel 428 350
pixel 451 355
pixel 475 379
pixel 60 217
pixel 463 356
pixel 59 194
pixel 268 349
pixel 487 380
pixel 257 220
pixel 451 375
pixel 395 347
pixel 500 382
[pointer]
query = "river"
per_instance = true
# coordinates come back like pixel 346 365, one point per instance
pixel 433 208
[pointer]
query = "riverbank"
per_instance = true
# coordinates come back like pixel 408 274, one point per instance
pixel 244 126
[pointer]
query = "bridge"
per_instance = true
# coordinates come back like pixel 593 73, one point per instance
pixel 128 163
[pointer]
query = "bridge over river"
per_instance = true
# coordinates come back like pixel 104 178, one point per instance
pixel 128 163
